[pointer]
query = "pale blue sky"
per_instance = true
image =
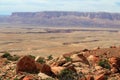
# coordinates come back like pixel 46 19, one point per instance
pixel 9 6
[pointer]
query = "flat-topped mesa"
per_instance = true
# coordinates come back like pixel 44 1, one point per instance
pixel 22 14
pixel 50 14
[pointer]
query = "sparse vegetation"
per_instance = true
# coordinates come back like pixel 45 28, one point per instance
pixel 67 75
pixel 10 57
pixel 16 78
pixel 41 60
pixel 104 63
pixel 32 56
pixel 13 58
pixel 50 57
pixel 68 59
pixel 6 55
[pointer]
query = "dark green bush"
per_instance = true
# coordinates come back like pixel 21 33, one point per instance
pixel 16 78
pixel 32 56
pixel 104 63
pixel 41 60
pixel 13 58
pixel 10 57
pixel 67 75
pixel 6 55
pixel 50 57
pixel 68 59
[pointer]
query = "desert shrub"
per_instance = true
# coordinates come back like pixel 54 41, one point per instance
pixel 32 56
pixel 67 75
pixel 41 60
pixel 50 57
pixel 10 57
pixel 6 55
pixel 104 63
pixel 68 59
pixel 13 58
pixel 16 78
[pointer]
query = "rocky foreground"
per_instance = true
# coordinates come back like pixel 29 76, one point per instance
pixel 96 64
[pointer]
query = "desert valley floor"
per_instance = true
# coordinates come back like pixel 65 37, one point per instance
pixel 55 41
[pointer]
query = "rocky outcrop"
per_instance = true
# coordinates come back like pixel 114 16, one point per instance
pixel 71 66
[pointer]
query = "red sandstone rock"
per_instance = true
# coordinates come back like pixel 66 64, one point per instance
pixel 114 70
pixel 44 68
pixel 26 64
pixel 100 77
pixel 28 78
pixel 115 64
pixel 89 77
pixel 93 59
pixel 113 60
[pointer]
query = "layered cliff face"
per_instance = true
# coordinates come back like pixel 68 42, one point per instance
pixel 59 18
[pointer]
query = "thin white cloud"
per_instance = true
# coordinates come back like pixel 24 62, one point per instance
pixel 8 6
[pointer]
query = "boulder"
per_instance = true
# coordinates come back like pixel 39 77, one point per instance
pixel 28 77
pixel 114 70
pixel 100 77
pixel 59 61
pixel 79 58
pixel 115 61
pixel 84 59
pixel 43 76
pixel 57 70
pixel 93 59
pixel 115 64
pixel 26 64
pixel 98 67
pixel 44 68
pixel 89 77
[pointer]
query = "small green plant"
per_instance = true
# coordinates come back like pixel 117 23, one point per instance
pixel 13 58
pixel 16 78
pixel 6 55
pixel 10 57
pixel 104 63
pixel 68 59
pixel 32 56
pixel 41 60
pixel 67 75
pixel 50 57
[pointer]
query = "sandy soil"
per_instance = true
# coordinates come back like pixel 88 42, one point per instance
pixel 39 42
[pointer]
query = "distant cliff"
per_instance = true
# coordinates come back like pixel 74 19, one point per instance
pixel 61 18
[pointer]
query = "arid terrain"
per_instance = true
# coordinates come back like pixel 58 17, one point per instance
pixel 55 41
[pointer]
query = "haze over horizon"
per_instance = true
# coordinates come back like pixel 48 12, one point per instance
pixel 9 6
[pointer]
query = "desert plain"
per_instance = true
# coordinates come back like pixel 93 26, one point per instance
pixel 44 41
